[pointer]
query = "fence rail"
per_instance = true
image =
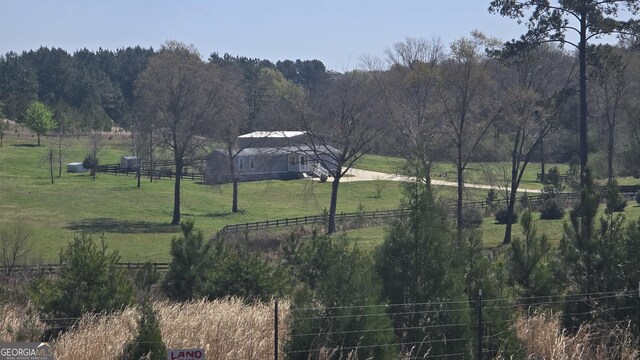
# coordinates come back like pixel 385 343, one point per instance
pixel 116 169
pixel 55 268
pixel 311 220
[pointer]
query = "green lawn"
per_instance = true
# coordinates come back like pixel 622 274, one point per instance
pixel 136 221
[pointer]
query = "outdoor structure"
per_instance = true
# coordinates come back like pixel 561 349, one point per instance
pixel 75 167
pixel 129 162
pixel 267 155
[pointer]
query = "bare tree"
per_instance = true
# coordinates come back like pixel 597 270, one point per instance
pixel 468 109
pixel 533 92
pixel 610 88
pixel 15 246
pixel 92 159
pixel 179 95
pixel 410 101
pixel 341 128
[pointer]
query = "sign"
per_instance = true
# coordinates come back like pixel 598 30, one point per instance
pixel 185 354
pixel 26 351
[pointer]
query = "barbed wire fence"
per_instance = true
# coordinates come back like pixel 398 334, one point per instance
pixel 480 328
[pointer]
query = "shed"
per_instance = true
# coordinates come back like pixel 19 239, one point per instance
pixel 75 167
pixel 129 162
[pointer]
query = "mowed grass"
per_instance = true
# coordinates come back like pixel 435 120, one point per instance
pixel 136 221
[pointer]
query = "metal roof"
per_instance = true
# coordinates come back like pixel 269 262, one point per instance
pixel 272 134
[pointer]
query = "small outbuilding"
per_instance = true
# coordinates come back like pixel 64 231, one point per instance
pixel 75 167
pixel 129 162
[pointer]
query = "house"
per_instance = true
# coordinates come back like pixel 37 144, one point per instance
pixel 269 155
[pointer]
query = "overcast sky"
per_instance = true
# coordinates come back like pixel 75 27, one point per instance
pixel 337 32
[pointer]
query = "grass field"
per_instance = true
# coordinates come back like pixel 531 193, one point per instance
pixel 136 221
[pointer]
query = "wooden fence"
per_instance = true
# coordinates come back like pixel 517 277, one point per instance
pixel 55 268
pixel 116 169
pixel 311 220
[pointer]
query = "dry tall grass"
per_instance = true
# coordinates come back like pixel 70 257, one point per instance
pixel 543 338
pixel 226 329
pixel 19 323
pixel 98 336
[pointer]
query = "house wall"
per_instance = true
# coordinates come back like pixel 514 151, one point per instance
pixel 267 167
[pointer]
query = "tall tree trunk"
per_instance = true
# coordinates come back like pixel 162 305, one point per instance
pixel 582 54
pixel 176 192
pixel 38 139
pixel 331 227
pixel 610 133
pixel 51 164
pixel 234 205
pixel 460 170
pixel 542 175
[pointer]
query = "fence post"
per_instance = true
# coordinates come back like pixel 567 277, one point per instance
pixel 275 328
pixel 480 328
pixel 638 323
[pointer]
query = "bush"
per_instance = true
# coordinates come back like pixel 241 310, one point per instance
pixel 614 200
pixel 551 210
pixel 471 218
pixel 502 216
pixel 89 280
pixel 148 343
pixel 492 196
pixel 525 202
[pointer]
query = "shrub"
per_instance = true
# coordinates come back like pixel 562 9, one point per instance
pixel 471 218
pixel 525 202
pixel 614 200
pixel 89 280
pixel 492 195
pixel 502 217
pixel 551 210
pixel 148 343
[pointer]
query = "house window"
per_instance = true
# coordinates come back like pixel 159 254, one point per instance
pixel 241 164
pixel 292 160
pixel 303 160
pixel 252 163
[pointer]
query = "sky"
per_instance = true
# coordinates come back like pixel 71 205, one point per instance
pixel 337 32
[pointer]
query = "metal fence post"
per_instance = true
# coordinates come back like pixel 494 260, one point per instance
pixel 275 327
pixel 480 328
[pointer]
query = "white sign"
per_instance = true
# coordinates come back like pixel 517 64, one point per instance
pixel 185 354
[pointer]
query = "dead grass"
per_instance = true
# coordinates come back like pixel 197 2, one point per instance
pixel 19 323
pixel 98 336
pixel 226 329
pixel 543 338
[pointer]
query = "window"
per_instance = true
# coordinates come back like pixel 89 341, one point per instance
pixel 252 163
pixel 241 164
pixel 292 160
pixel 303 160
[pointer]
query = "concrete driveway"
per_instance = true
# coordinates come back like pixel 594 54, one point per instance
pixel 366 175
